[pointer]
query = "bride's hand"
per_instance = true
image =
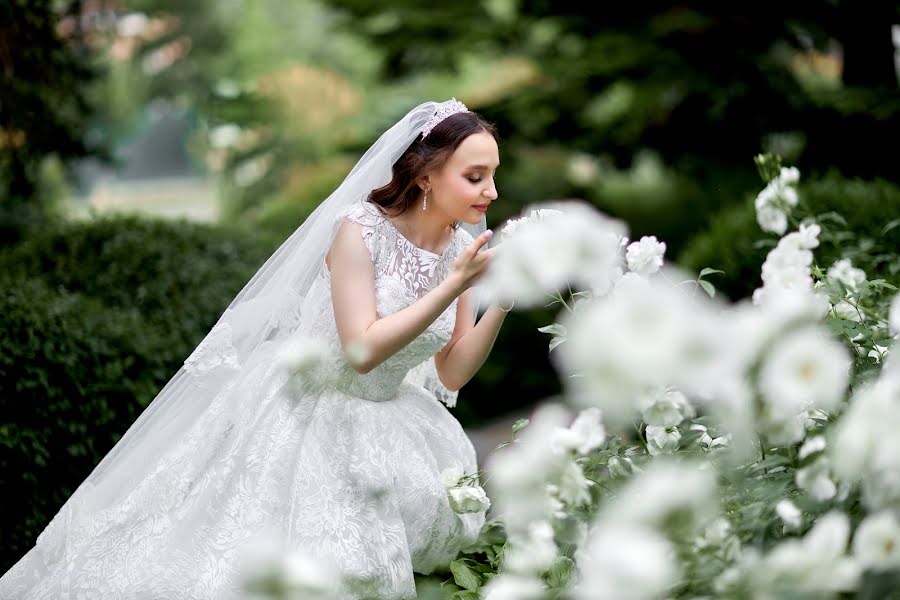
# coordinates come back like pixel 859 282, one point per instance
pixel 472 264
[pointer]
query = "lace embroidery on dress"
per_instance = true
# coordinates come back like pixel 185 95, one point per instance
pixel 404 273
pixel 214 351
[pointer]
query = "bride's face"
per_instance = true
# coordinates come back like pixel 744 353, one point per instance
pixel 464 188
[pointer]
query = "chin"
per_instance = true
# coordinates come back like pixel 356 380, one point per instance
pixel 472 220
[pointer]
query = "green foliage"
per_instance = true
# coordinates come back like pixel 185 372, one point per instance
pixel 97 317
pixel 865 210
pixel 45 107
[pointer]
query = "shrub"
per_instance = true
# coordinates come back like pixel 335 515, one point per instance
pixel 97 317
pixel 869 208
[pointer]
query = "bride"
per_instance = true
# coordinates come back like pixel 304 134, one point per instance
pixel 346 466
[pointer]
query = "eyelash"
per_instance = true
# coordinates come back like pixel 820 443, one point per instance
pixel 471 180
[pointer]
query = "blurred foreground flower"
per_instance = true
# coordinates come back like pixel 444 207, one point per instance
pixel 557 244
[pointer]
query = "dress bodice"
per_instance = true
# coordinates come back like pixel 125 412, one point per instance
pixel 403 274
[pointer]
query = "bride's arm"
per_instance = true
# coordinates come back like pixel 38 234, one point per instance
pixel 353 297
pixel 470 344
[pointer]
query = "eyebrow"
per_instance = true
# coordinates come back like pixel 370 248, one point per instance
pixel 480 166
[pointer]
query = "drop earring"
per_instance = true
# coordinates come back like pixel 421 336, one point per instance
pixel 425 199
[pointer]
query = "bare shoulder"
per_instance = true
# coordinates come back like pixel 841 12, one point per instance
pixel 348 247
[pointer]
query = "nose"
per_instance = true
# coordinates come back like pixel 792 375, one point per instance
pixel 491 192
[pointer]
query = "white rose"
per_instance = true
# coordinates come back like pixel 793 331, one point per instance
pixel 771 219
pixel 573 485
pixel 532 553
pixel 468 499
pixel 584 435
pixel 620 466
pixel 788 512
pixel 876 544
pixel 815 480
pixel 625 560
pixel 451 475
pixel 805 369
pixel 661 440
pixel 789 175
pixel 894 315
pixel 645 256
pixel 513 587
pixel 844 272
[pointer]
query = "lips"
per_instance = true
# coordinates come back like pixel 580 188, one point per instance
pixel 481 207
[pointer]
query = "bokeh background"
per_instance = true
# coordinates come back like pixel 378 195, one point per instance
pixel 153 154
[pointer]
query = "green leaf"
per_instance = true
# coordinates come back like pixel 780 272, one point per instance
pixel 556 342
pixel 555 329
pixel 464 576
pixel 708 288
pixel 518 425
pixel 709 271
pixel 890 225
pixel 560 572
pixel 832 216
pixel 466 595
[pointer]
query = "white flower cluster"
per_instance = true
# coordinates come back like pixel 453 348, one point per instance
pixel 775 201
pixel 865 447
pixel 815 566
pixel 538 477
pixel 645 335
pixel 556 245
pixel 464 496
pixel 787 266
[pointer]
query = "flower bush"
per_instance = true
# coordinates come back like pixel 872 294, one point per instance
pixel 700 448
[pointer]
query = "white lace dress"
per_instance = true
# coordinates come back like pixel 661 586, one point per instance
pixel 350 473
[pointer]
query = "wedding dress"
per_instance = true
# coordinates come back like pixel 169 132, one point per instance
pixel 348 471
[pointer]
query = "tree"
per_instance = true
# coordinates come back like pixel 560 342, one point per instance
pixel 46 68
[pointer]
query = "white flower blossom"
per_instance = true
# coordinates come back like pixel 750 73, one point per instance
pixel 876 544
pixel 532 553
pixel 584 435
pixel 771 218
pixel 665 407
pixel 519 473
pixel 894 315
pixel 804 369
pixel 625 560
pixel 665 489
pixel 468 499
pixel 788 512
pixel 864 446
pixel 645 257
pixel 787 266
pixel 815 479
pixel 654 335
pixel 572 485
pixel 662 440
pixel 513 587
pixel 844 272
pixel 816 564
pixel 811 446
pixel 557 244
pixel 451 475
pixel 620 466
pixel 774 202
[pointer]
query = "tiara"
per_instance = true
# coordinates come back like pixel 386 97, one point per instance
pixel 450 107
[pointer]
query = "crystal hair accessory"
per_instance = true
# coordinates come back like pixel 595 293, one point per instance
pixel 450 107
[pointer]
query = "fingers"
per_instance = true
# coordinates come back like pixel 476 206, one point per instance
pixel 481 240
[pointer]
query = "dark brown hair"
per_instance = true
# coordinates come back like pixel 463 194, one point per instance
pixel 424 155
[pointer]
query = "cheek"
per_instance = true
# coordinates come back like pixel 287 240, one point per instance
pixel 464 189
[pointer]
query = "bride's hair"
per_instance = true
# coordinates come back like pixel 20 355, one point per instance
pixel 425 155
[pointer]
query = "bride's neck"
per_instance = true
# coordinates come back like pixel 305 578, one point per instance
pixel 425 228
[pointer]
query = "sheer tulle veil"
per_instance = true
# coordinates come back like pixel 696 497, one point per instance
pixel 266 312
